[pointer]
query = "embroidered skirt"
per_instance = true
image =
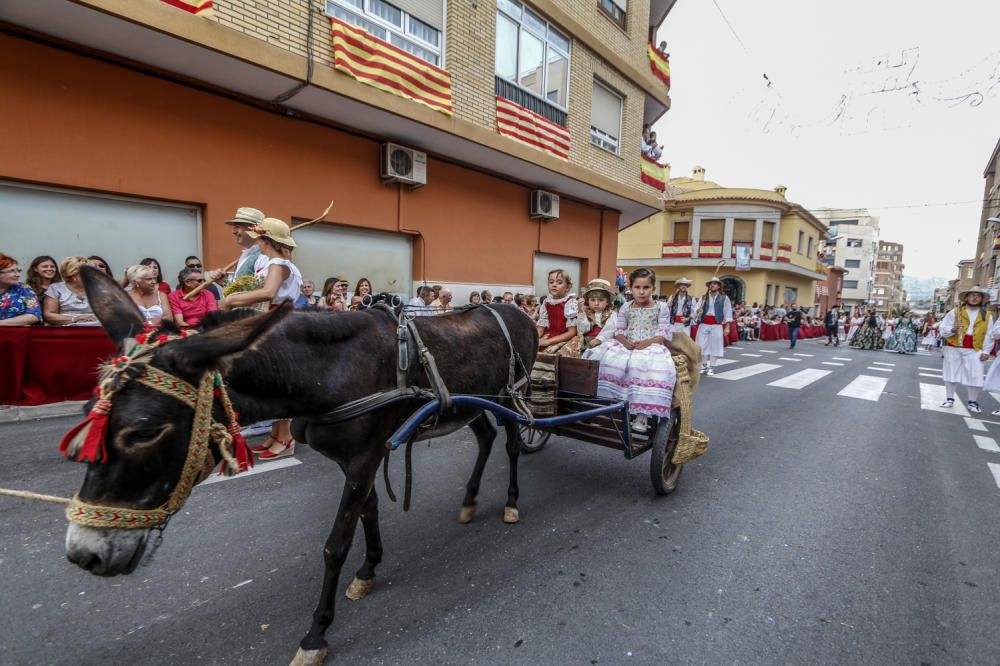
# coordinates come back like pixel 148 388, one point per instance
pixel 643 377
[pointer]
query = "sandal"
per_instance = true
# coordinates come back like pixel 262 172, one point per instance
pixel 265 445
pixel 288 449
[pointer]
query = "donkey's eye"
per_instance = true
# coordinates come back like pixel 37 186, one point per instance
pixel 143 435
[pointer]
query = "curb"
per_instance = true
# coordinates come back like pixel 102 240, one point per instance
pixel 15 414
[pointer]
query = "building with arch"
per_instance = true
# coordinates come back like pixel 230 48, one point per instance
pixel 704 223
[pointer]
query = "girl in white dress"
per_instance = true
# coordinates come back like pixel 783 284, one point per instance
pixel 597 321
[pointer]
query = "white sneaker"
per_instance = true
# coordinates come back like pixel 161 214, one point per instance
pixel 639 424
pixel 711 371
pixel 974 407
pixel 949 403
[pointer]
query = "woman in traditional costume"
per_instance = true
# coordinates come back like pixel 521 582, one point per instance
pixel 929 331
pixel 968 334
pixel 869 335
pixel 637 366
pixel 904 335
pixel 857 318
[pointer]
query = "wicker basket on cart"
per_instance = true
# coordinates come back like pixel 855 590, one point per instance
pixel 692 443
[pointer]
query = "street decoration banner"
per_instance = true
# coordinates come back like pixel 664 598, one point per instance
pixel 742 256
pixel 196 7
pixel 659 64
pixel 527 127
pixel 653 173
pixel 362 56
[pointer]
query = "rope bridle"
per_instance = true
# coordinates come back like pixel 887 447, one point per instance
pixel 86 442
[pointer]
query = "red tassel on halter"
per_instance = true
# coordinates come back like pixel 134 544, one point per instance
pixel 86 442
pixel 241 448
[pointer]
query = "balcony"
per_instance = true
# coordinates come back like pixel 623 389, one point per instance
pixel 714 250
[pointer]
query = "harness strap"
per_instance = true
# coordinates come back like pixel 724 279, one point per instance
pixel 430 367
pixel 370 403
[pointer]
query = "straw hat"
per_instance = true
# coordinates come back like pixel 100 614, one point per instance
pixel 683 281
pixel 713 279
pixel 249 216
pixel 597 284
pixel 975 290
pixel 274 229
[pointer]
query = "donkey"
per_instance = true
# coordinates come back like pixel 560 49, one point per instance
pixel 288 365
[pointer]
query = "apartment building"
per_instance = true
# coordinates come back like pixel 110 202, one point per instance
pixel 470 144
pixel 888 294
pixel 852 245
pixel 766 243
pixel 988 240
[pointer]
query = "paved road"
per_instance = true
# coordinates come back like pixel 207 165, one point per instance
pixel 834 520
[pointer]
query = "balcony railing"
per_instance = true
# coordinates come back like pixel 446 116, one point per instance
pixel 713 250
pixel 518 95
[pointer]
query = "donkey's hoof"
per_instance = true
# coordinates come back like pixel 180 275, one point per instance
pixel 466 515
pixel 359 589
pixel 309 657
pixel 510 515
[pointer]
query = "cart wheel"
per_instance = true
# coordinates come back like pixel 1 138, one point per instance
pixel 662 472
pixel 533 440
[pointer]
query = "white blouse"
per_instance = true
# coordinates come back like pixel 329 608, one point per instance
pixel 289 289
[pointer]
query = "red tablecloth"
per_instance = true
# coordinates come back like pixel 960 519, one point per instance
pixel 780 332
pixel 42 364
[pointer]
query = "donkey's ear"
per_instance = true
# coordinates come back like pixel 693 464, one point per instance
pixel 117 312
pixel 218 346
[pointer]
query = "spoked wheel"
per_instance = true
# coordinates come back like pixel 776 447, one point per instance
pixel 533 439
pixel 663 473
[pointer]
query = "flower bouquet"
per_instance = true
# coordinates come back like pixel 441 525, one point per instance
pixel 244 284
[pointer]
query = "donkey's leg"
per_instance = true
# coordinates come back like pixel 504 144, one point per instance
pixel 485 434
pixel 510 513
pixel 357 487
pixel 364 579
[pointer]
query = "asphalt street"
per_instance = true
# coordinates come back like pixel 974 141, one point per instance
pixel 834 520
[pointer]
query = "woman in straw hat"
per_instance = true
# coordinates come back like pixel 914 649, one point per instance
pixel 714 315
pixel 282 282
pixel 968 334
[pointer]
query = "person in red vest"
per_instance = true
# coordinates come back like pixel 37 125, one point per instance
pixel 967 332
pixel 713 315
pixel 557 315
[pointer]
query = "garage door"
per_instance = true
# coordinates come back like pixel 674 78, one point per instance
pixel 329 250
pixel 548 262
pixel 62 223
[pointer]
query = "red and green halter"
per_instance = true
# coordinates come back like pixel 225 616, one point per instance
pixel 87 441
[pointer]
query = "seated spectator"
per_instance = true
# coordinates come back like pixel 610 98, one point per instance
pixel 475 298
pixel 152 303
pixel 42 272
pixel 361 289
pixel 18 302
pixel 65 302
pixel 655 151
pixel 508 298
pixel 442 303
pixel 100 264
pixel 486 296
pixel 196 263
pixel 188 314
pixel 335 294
pixel 308 300
pixel 420 305
pixel 160 284
pixel 526 302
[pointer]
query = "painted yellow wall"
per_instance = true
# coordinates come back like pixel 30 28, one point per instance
pixel 791 225
pixel 644 240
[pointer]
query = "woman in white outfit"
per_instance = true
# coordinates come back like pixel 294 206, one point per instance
pixel 857 319
pixel 967 332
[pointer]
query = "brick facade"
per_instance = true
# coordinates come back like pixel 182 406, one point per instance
pixel 470 42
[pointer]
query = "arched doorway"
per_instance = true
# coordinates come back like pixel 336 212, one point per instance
pixel 734 287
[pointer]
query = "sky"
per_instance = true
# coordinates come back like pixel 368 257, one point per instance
pixel 888 105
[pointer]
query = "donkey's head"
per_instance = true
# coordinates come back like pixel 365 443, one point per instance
pixel 141 425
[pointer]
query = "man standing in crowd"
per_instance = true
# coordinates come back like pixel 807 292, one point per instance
pixel 420 304
pixel 794 321
pixel 714 315
pixel 966 332
pixel 681 306
pixel 832 320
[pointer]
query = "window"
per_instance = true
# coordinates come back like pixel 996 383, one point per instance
pixel 394 24
pixel 682 231
pixel 809 248
pixel 850 284
pixel 767 299
pixel 802 237
pixel 531 53
pixel 605 118
pixel 852 263
pixel 615 10
pixel 855 242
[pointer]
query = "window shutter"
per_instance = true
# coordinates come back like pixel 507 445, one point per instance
pixel 606 111
pixel 621 4
pixel 430 12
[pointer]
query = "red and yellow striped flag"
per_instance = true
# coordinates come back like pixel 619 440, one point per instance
pixel 653 173
pixel 196 7
pixel 530 128
pixel 659 64
pixel 359 54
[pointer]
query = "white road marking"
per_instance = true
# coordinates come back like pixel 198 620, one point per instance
pixel 927 374
pixel 986 443
pixel 931 397
pixel 975 424
pixel 865 387
pixel 872 367
pixel 725 361
pixel 788 358
pixel 754 355
pixel 798 354
pixel 996 396
pixel 995 468
pixel 832 363
pixel 891 365
pixel 259 468
pixel 930 369
pixel 735 347
pixel 767 351
pixel 838 358
pixel 800 379
pixel 747 371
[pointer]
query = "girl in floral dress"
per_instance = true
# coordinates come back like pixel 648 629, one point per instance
pixel 637 366
pixel 557 317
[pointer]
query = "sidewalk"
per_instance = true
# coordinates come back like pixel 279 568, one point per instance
pixel 14 414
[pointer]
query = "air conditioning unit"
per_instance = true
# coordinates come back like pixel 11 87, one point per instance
pixel 544 205
pixel 399 164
